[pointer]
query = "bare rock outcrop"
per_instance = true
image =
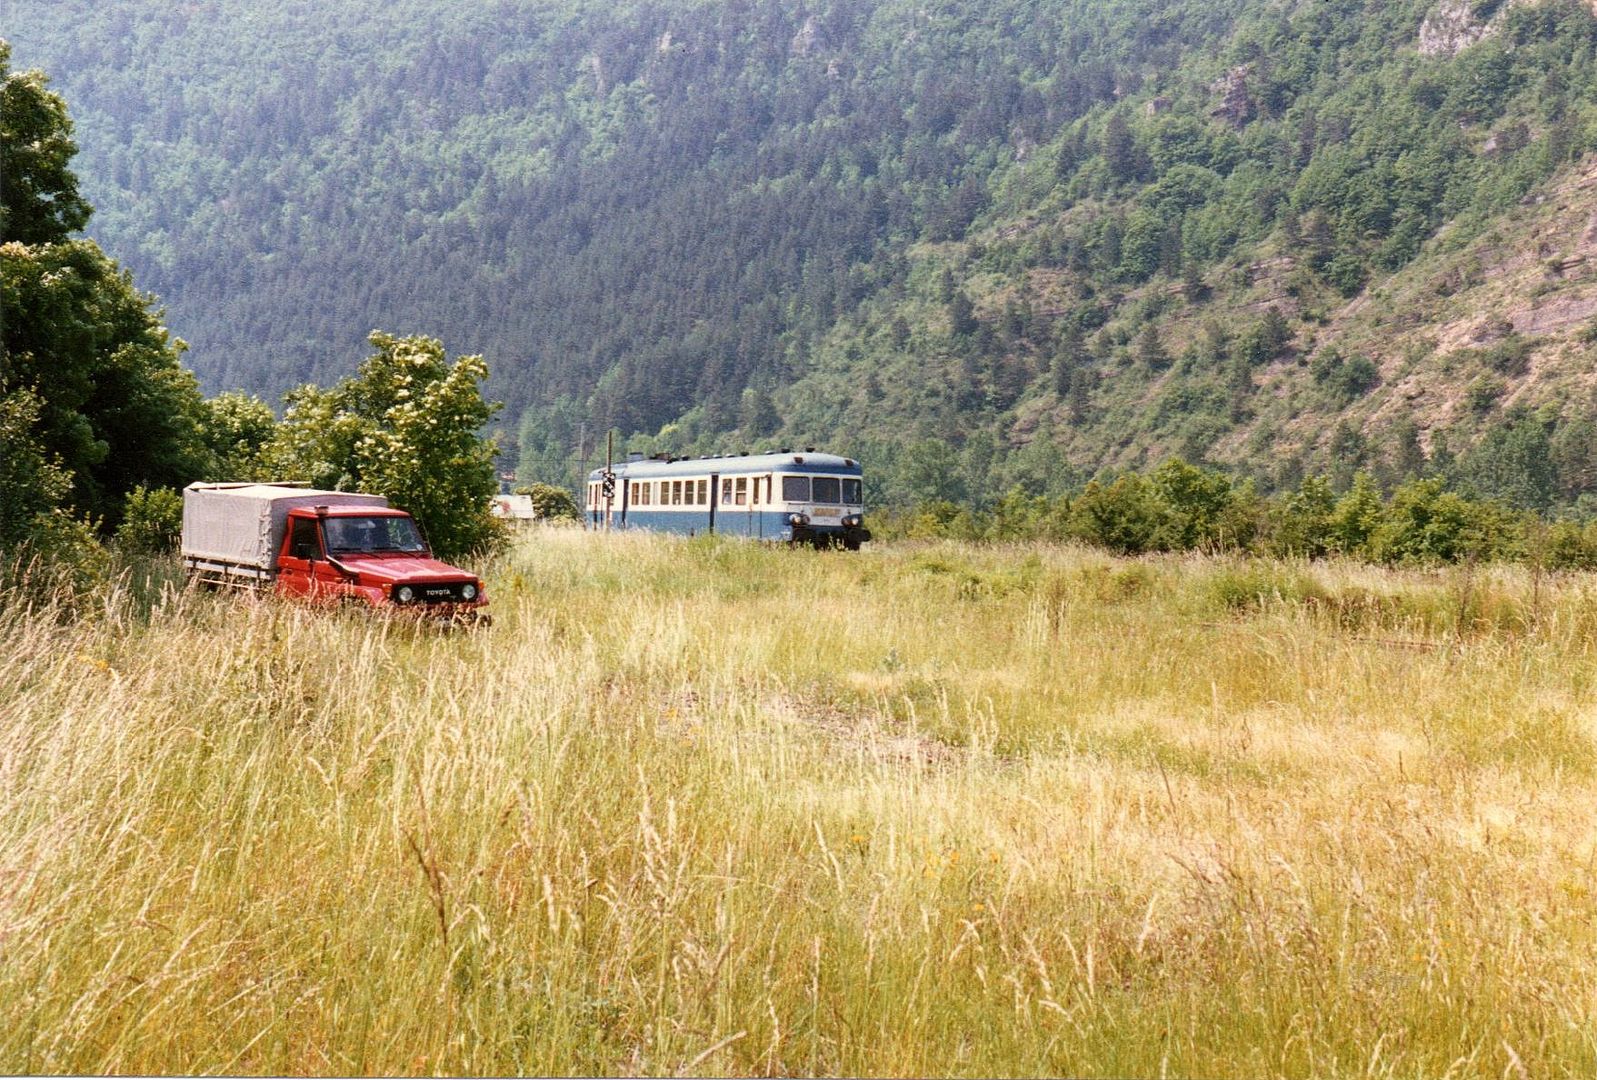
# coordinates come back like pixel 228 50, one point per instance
pixel 1450 29
pixel 1236 103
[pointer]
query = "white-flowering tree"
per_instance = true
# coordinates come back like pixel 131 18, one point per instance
pixel 406 426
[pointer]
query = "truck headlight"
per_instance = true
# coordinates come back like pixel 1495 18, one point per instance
pixel 468 591
pixel 404 594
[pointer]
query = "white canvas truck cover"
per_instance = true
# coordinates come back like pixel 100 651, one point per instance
pixel 243 524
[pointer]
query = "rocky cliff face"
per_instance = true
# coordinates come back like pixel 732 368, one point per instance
pixel 1451 28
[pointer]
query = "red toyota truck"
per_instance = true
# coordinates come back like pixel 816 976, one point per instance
pixel 326 546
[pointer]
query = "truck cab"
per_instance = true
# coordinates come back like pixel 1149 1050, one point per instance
pixel 374 554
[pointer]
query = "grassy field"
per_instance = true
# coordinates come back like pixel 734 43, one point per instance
pixel 721 808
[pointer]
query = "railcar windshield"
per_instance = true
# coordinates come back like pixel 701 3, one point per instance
pixel 821 489
pixel 351 534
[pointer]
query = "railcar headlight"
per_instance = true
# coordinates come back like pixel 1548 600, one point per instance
pixel 468 591
pixel 798 519
pixel 853 521
pixel 404 594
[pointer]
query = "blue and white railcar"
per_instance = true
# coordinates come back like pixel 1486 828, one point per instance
pixel 794 497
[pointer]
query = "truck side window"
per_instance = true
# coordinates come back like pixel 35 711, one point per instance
pixel 303 543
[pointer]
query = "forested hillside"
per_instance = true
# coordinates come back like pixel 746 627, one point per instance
pixel 977 244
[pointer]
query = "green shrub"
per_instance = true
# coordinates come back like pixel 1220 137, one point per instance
pixel 152 521
pixel 551 503
pixel 1126 517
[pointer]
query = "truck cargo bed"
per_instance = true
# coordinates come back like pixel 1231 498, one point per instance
pixel 241 525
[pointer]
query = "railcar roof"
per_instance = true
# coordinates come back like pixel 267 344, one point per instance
pixel 794 461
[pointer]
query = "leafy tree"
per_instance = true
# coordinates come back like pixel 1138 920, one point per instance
pixel 1019 516
pixel 1266 340
pixel 1513 462
pixel 1406 459
pixel 757 415
pixel 1125 516
pixel 551 503
pixel 1301 524
pixel 1150 349
pixel 237 428
pixel 39 201
pixel 113 409
pixel 1126 159
pixel 1141 245
pixel 41 544
pixel 931 472
pixel 962 319
pixel 32 481
pixel 152 521
pixel 1427 523
pixel 1356 517
pixel 405 427
pixel 1574 456
pixel 1195 503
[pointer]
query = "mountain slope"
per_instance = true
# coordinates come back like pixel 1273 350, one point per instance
pixel 979 244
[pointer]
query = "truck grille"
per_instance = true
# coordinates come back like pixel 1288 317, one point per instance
pixel 439 594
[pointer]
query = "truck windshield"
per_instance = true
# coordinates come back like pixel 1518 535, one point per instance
pixel 372 534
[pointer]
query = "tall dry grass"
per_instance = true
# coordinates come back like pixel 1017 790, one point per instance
pixel 720 808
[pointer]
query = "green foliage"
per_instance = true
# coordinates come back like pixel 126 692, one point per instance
pixel 748 235
pixel 552 503
pixel 930 473
pixel 1345 378
pixel 405 427
pixel 93 403
pixel 39 201
pixel 1125 516
pixel 152 521
pixel 1514 463
pixel 1427 523
pixel 1181 507
pixel 236 428
pixel 1301 523
pixel 1202 509
pixel 32 481
pixel 116 408
pixel 42 545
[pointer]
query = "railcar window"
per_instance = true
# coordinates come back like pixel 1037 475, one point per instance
pixel 827 489
pixel 740 491
pixel 726 492
pixel 795 489
pixel 704 493
pixel 851 492
pixel 754 491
